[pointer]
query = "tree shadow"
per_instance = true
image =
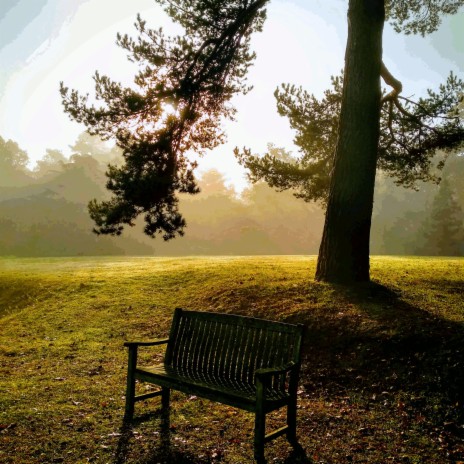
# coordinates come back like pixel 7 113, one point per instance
pixel 423 350
pixel 387 348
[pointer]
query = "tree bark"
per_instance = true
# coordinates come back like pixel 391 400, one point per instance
pixel 344 250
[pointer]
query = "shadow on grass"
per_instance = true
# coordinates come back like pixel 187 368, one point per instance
pixel 388 350
pixel 163 452
pixel 298 456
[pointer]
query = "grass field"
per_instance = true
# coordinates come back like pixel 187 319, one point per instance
pixel 382 378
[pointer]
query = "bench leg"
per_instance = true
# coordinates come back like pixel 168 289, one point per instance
pixel 260 427
pixel 130 388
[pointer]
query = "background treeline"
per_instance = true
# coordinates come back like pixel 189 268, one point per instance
pixel 43 212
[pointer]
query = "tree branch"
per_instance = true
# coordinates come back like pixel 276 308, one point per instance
pixel 452 118
pixel 412 116
pixel 392 82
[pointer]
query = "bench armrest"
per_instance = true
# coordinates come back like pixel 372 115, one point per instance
pixel 159 341
pixel 270 371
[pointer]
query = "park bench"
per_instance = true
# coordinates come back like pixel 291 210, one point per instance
pixel 252 364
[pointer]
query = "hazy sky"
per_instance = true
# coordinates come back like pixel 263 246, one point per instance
pixel 43 42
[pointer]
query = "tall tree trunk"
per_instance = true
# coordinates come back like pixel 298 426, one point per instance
pixel 344 251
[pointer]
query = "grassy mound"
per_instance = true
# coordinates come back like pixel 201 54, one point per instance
pixel 382 378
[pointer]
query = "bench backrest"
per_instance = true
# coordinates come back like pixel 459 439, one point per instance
pixel 230 346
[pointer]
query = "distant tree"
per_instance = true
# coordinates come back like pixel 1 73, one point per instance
pixel 12 156
pixel 397 216
pixel 214 183
pixel 81 180
pixel 87 144
pixel 404 234
pixel 213 214
pixel 13 164
pixel 51 163
pixel 454 172
pixel 92 145
pixel 48 217
pixel 444 229
pixel 183 91
pixel 295 227
pixel 9 236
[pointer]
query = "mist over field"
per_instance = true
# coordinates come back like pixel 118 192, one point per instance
pixel 43 212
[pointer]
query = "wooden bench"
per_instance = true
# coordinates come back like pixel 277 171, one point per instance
pixel 252 364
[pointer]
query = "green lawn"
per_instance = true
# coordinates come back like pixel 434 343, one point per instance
pixel 383 370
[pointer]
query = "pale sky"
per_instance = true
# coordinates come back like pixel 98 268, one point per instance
pixel 43 42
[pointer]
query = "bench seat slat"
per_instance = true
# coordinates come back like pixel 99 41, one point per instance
pixel 242 395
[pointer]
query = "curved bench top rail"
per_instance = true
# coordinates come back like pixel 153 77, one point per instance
pixel 235 319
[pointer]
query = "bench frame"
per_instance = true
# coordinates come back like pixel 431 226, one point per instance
pixel 262 379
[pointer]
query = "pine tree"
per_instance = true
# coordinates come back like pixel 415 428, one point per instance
pixel 444 228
